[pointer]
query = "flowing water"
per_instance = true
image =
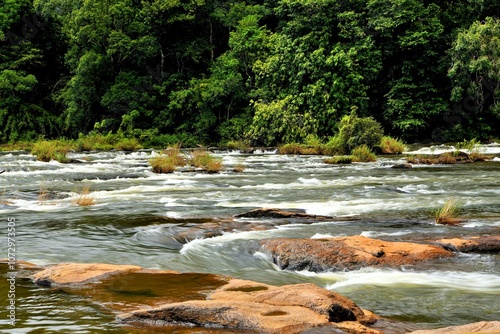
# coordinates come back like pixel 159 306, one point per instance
pixel 137 214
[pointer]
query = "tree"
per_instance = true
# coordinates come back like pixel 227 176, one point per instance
pixel 475 73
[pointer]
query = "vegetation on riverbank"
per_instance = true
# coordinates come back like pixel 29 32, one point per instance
pixel 261 73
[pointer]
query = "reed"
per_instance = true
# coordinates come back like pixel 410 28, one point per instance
pixel 85 198
pixel 446 215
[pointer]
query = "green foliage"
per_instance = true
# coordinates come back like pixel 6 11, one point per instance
pixel 341 159
pixel 389 145
pixel 363 154
pixel 162 164
pixel 475 73
pixel 355 131
pixel 280 122
pixel 46 151
pixel 267 73
pixel 202 159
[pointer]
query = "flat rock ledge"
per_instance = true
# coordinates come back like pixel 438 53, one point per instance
pixel 77 273
pixel 169 298
pixel 348 253
pixel 242 304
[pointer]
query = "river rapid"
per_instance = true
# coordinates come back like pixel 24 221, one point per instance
pixel 137 214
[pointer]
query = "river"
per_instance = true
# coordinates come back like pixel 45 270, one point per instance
pixel 137 213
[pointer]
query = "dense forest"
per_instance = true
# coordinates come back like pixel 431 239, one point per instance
pixel 269 72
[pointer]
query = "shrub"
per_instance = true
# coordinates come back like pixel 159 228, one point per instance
pixel 355 131
pixel 237 145
pixel 46 151
pixel 162 164
pixel 174 153
pixel 447 214
pixel 342 159
pixel 200 158
pixel 291 148
pixel 128 144
pixel 389 145
pixel 363 154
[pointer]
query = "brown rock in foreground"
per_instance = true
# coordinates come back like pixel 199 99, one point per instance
pixel 244 304
pixel 349 253
pixel 168 298
pixel 71 273
pixel 477 327
pixel 476 244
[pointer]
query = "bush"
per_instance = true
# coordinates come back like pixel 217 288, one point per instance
pixel 202 159
pixel 389 145
pixel 46 151
pixel 363 154
pixel 342 159
pixel 128 144
pixel 355 132
pixel 162 164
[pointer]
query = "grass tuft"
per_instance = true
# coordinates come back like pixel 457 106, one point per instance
pixel 446 215
pixel 389 145
pixel 200 158
pixel 162 164
pixel 85 198
pixel 46 151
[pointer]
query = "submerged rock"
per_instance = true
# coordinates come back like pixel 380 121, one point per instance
pixel 348 253
pixel 477 327
pixel 478 244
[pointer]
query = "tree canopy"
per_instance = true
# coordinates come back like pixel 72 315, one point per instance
pixel 269 72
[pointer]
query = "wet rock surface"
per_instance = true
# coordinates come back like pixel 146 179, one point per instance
pixel 348 253
pixel 167 298
pixel 476 244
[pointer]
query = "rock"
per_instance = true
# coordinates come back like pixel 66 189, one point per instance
pixel 402 166
pixel 244 304
pixel 349 253
pixel 72 273
pixel 482 327
pixel 278 213
pixel 477 244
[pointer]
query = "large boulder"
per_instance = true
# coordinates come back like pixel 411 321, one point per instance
pixel 349 253
pixel 244 304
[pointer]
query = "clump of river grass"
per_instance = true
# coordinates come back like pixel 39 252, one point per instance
pixel 201 158
pixel 84 198
pixel 168 160
pixel 447 214
pixel 46 150
pixel 363 154
pixel 340 159
pixel 389 145
pixel 239 168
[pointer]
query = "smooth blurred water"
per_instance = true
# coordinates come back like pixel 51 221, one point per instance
pixel 137 213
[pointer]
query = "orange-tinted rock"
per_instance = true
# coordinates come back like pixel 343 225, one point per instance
pixel 348 253
pixel 476 244
pixel 71 273
pixel 482 327
pixel 242 304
